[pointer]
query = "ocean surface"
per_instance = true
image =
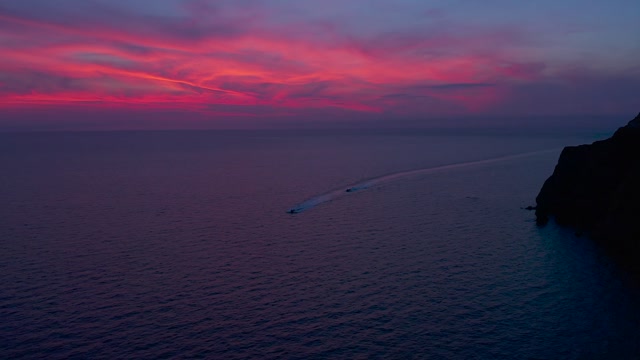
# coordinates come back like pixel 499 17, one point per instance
pixel 141 245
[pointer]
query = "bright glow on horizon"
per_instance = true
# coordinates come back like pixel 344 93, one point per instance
pixel 302 59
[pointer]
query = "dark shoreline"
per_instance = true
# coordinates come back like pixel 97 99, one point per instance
pixel 595 189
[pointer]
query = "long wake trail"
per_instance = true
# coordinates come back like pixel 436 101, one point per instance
pixel 384 179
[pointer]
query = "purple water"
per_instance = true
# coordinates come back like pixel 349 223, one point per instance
pixel 178 244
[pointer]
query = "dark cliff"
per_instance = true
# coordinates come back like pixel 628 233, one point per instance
pixel 596 189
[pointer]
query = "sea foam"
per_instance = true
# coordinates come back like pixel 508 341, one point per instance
pixel 385 179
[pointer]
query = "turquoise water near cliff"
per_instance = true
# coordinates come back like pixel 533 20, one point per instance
pixel 178 244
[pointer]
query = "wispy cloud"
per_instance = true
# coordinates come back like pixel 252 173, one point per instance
pixel 252 54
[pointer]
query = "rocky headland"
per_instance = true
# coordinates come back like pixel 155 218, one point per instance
pixel 596 190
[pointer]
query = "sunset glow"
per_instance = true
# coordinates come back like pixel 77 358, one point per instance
pixel 238 58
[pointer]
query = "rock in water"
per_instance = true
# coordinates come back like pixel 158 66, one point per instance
pixel 596 189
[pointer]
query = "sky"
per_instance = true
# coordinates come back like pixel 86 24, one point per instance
pixel 255 63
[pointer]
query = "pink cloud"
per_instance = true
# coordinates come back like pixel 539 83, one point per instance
pixel 240 61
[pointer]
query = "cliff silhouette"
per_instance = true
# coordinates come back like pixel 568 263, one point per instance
pixel 596 190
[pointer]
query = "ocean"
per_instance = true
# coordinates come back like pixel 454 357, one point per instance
pixel 298 245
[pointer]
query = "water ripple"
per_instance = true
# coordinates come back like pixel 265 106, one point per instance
pixel 384 179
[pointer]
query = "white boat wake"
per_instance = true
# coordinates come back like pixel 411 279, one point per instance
pixel 365 184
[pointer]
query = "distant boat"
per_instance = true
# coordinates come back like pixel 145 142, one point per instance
pixel 356 188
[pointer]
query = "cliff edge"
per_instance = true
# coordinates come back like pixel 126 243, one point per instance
pixel 596 189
